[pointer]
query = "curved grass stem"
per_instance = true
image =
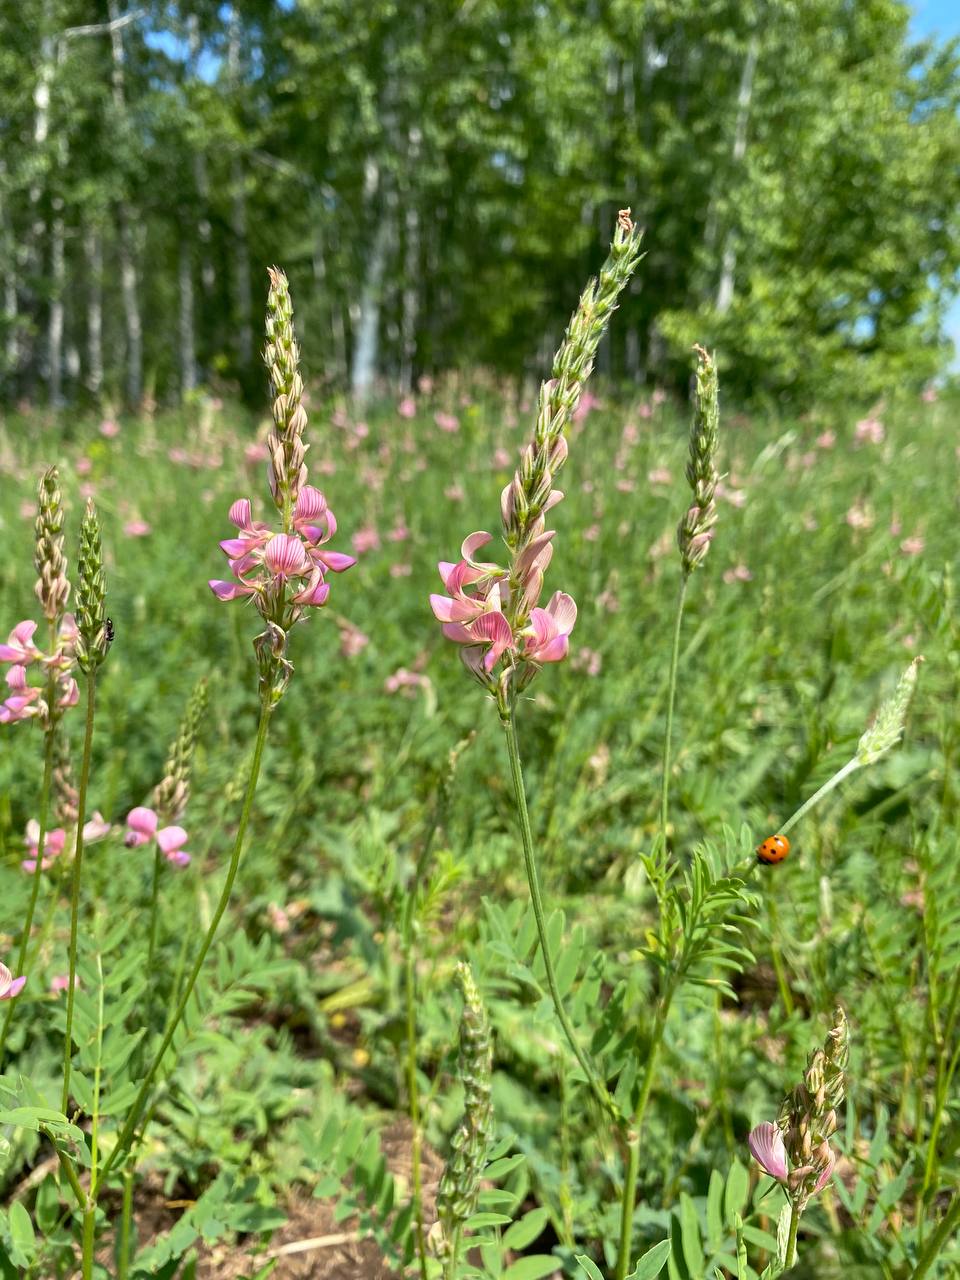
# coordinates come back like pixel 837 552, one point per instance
pixel 671 701
pixel 536 898
pixel 75 885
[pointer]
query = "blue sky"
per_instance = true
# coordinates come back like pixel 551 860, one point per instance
pixel 941 18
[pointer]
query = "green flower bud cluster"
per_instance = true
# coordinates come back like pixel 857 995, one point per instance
pixel 695 531
pixel 53 587
pixel 171 794
pixel 93 639
pixel 460 1183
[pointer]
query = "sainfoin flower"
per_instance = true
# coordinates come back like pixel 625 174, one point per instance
pixel 143 825
pixel 767 1148
pixel 494 614
pixel 53 846
pixel 264 562
pixel 9 985
pixel 24 700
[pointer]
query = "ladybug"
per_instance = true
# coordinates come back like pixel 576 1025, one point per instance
pixel 774 849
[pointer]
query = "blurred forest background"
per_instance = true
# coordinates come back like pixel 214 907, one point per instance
pixel 438 177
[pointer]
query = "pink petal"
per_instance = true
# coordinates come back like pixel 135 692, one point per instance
pixel 229 590
pixel 446 610
pixel 564 610
pixel 143 822
pixel 179 858
pixel 171 838
pixel 96 828
pixel 285 556
pixel 53 845
pixel 458 633
pixel 766 1147
pixel 310 503
pixel 315 592
pixel 14 989
pixel 336 561
pixel 827 1173
pixel 241 513
pixel 71 695
pixel 473 542
pixel 234 547
pixel 494 627
pixel 555 651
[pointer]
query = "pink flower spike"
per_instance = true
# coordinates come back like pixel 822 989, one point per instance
pixel 9 985
pixel 143 825
pixel 766 1147
pixel 20 647
pixel 284 556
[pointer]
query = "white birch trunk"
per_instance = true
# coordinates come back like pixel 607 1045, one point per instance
pixel 128 267
pixel 367 347
pixel 728 261
pixel 8 252
pixel 188 351
pixel 55 319
pixel 241 248
pixel 201 179
pixel 93 252
pixel 410 302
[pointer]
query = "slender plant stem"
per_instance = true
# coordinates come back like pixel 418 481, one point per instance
pixel 413 1098
pixel 89 1239
pixel 817 796
pixel 629 1197
pixel 791 1254
pixel 786 996
pixel 133 1117
pixel 154 905
pixel 75 885
pixel 627 1205
pixel 533 880
pixel 671 700
pixel 948 1224
pixel 450 1270
pixel 48 745
pixel 126 1215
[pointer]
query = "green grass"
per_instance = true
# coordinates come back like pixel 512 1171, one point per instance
pixel 779 675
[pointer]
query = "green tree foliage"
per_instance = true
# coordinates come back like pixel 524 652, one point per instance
pixel 436 174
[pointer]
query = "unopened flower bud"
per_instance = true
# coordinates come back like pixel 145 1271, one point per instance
pixel 92 639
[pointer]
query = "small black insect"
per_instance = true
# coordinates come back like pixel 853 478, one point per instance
pixel 109 630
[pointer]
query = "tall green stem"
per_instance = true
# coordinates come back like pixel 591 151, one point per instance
pixel 48 746
pixel 817 796
pixel 413 1097
pixel 671 699
pixel 154 905
pixel 533 880
pixel 791 1254
pixel 126 1217
pixel 629 1197
pixel 129 1128
pixel 75 885
pixel 948 1225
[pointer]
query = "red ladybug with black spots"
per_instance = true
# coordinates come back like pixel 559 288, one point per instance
pixel 773 850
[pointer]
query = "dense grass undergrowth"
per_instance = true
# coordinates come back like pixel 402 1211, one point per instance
pixel 830 569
